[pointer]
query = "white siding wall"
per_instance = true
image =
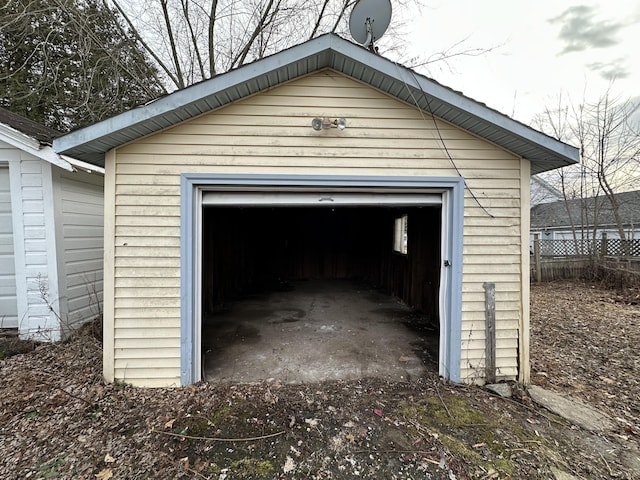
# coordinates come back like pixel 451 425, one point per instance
pixel 35 248
pixel 270 133
pixel 8 305
pixel 40 268
pixel 80 220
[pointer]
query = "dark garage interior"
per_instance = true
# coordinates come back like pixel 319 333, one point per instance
pixel 304 275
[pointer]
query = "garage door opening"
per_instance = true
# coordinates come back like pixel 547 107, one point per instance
pixel 315 293
pixel 296 252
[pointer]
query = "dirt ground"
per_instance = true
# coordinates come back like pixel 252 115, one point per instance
pixel 585 342
pixel 59 420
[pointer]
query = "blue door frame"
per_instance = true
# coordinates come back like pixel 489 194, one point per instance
pixel 192 186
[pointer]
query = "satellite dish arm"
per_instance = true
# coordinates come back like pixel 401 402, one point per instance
pixel 368 43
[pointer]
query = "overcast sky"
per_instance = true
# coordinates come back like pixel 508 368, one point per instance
pixel 541 50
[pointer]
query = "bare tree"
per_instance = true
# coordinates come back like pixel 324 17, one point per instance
pixel 615 150
pixel 555 121
pixel 156 46
pixel 191 40
pixel 609 140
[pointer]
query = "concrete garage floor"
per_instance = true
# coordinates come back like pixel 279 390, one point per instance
pixel 314 331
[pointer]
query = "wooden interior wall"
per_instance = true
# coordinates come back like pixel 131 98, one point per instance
pixel 259 249
pixel 422 268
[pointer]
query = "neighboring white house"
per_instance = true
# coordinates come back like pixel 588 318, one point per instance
pixel 51 233
pixel 543 192
pixel 587 218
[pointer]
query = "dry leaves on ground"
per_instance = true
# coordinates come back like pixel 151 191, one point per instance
pixel 585 342
pixel 59 420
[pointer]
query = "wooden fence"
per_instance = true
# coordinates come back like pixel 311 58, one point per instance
pixel 613 261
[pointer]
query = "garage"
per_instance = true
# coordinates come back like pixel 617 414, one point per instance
pixel 288 181
pixel 287 269
pixel 51 234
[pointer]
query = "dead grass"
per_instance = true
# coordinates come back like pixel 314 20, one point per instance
pixel 11 345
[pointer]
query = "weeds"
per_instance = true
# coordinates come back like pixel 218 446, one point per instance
pixel 57 326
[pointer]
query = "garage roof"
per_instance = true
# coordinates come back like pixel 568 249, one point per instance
pixel 327 51
pixel 40 133
pixel 35 139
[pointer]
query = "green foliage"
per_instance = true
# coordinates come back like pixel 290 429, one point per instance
pixel 452 418
pixel 70 63
pixel 52 467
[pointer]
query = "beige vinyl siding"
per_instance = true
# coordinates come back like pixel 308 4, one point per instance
pixel 271 133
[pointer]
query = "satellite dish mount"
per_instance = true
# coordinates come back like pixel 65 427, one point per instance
pixel 368 21
pixel 368 43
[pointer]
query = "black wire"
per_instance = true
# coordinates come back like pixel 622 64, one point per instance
pixel 444 145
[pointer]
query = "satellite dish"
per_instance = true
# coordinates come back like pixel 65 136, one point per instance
pixel 369 20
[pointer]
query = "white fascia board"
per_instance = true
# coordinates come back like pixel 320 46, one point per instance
pixel 47 154
pixel 17 139
pixel 80 165
pixel 32 146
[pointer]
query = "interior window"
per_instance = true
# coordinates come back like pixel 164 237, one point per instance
pixel 400 235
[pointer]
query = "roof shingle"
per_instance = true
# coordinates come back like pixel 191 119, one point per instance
pixel 42 134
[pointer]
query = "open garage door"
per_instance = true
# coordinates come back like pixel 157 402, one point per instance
pixel 304 294
pixel 252 240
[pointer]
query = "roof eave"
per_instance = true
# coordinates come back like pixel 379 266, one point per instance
pixel 328 51
pixel 17 138
pixel 167 110
pixel 32 146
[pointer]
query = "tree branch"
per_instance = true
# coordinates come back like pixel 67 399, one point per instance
pixel 212 23
pixel 172 43
pixel 319 19
pixel 345 5
pixel 194 41
pixel 145 45
pixel 242 55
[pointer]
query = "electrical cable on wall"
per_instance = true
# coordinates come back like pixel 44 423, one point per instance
pixel 444 145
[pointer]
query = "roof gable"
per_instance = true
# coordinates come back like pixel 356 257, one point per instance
pixel 328 51
pixel 381 132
